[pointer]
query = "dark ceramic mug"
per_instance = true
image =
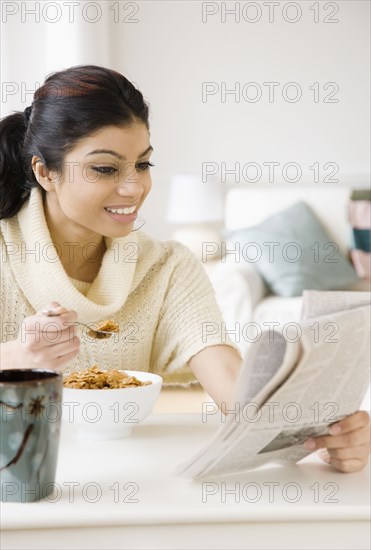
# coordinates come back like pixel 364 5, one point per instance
pixel 31 410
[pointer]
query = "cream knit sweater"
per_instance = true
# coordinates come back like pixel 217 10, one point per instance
pixel 157 291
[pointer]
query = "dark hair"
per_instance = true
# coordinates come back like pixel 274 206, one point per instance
pixel 70 105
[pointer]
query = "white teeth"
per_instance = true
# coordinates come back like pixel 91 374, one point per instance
pixel 128 210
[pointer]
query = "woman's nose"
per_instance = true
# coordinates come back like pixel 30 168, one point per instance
pixel 130 183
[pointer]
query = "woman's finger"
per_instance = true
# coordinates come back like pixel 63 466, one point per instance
pixel 349 452
pixel 53 333
pixel 347 466
pixel 59 350
pixel 355 438
pixel 350 423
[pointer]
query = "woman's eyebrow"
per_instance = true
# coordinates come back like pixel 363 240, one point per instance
pixel 115 154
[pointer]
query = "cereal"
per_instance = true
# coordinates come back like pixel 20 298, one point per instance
pixel 96 379
pixel 110 326
pixel 107 326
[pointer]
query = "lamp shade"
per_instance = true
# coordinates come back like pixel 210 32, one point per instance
pixel 193 201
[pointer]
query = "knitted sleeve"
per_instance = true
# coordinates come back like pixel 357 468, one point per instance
pixel 190 320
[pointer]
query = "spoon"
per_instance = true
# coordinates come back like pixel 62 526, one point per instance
pixel 94 333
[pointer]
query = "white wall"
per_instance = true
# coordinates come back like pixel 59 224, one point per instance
pixel 170 52
pixel 38 38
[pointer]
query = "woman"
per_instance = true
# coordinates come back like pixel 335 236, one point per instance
pixel 74 172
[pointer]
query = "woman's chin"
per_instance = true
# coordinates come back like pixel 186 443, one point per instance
pixel 119 232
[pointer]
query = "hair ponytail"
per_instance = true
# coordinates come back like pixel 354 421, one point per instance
pixel 69 106
pixel 12 165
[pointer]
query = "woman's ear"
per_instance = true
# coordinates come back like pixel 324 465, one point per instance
pixel 42 174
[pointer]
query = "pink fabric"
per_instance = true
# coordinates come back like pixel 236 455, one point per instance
pixel 362 263
pixel 360 214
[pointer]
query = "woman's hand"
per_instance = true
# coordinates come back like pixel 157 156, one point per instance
pixel 45 342
pixel 348 446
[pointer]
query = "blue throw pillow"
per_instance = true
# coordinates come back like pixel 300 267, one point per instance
pixel 293 252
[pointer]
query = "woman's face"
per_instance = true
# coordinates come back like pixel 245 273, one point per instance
pixel 105 180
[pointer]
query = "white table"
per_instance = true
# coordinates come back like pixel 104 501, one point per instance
pixel 170 512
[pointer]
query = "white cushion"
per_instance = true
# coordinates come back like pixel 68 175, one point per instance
pixel 276 308
pixel 235 293
pixel 247 207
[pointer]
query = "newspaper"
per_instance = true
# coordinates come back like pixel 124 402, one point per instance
pixel 290 388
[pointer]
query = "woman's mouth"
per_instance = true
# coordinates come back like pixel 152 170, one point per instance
pixel 125 214
pixel 125 210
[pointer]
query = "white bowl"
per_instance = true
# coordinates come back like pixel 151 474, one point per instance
pixel 110 414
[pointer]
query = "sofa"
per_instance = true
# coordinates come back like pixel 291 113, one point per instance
pixel 242 293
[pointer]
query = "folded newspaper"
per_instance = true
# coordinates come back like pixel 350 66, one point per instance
pixel 293 385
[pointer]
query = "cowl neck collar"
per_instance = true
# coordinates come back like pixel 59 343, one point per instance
pixel 40 274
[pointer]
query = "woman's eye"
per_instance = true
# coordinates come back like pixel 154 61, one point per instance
pixel 104 170
pixel 109 171
pixel 144 166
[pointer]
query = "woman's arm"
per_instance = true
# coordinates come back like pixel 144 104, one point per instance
pixel 348 446
pixel 216 368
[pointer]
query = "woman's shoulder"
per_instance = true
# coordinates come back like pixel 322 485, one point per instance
pixel 159 258
pixel 169 263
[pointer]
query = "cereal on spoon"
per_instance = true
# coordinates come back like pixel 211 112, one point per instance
pixel 106 326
